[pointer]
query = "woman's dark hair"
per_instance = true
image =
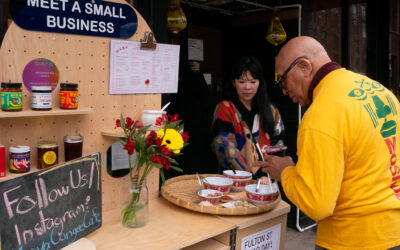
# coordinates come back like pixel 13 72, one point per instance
pixel 261 101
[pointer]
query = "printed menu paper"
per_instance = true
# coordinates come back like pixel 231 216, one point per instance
pixel 142 71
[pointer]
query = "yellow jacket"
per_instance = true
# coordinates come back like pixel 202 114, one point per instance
pixel 347 177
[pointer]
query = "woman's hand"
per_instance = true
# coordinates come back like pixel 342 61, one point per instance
pixel 274 165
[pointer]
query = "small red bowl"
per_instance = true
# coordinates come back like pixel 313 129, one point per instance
pixel 239 174
pixel 210 195
pixel 222 184
pixel 265 194
pixel 240 179
pixel 240 184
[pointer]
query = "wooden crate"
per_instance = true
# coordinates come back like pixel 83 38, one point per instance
pixel 251 225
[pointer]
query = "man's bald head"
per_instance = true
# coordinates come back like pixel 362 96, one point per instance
pixel 297 63
pixel 303 46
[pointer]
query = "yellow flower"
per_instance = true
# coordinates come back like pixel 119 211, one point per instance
pixel 172 139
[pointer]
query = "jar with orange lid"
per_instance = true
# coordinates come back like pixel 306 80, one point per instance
pixel 47 154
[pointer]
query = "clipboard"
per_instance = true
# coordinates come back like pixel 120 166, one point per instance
pixel 148 41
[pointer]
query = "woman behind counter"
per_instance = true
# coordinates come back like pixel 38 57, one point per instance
pixel 244 118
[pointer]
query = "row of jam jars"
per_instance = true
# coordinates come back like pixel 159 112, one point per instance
pixel 47 154
pixel 11 97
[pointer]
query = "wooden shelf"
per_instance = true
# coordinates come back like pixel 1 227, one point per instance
pixel 113 133
pixel 53 112
pixel 10 175
pixel 208 244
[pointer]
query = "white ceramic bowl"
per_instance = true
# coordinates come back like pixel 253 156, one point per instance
pixel 210 195
pixel 239 174
pixel 149 117
pixel 264 194
pixel 222 184
pixel 240 179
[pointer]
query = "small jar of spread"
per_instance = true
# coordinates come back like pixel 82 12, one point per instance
pixel 73 147
pixel 11 96
pixel 47 154
pixel 20 159
pixel 69 96
pixel 41 98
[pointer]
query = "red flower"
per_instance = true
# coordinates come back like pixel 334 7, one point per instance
pixel 173 118
pixel 118 123
pixel 166 163
pixel 160 121
pixel 185 136
pixel 129 146
pixel 129 123
pixel 153 139
pixel 138 125
pixel 165 151
pixel 161 160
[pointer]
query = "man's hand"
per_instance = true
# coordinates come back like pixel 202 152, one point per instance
pixel 274 165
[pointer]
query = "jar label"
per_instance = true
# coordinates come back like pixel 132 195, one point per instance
pixel 41 100
pixel 20 161
pixel 68 99
pixel 49 157
pixel 11 100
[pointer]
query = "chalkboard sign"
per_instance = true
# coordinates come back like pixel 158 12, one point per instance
pixel 51 208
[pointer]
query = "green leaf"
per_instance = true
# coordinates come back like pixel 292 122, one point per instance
pixel 144 129
pixel 157 165
pixel 162 176
pixel 176 168
pixel 123 125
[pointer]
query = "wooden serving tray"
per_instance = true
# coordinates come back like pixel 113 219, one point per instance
pixel 182 191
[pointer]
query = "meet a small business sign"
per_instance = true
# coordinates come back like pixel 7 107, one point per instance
pixel 51 208
pixel 80 17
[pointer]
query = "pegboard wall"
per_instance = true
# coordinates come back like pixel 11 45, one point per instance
pixel 83 60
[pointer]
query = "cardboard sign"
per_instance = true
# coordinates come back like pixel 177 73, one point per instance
pixel 83 17
pixel 263 240
pixel 51 208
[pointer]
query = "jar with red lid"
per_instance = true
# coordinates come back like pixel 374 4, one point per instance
pixel 68 96
pixel 11 96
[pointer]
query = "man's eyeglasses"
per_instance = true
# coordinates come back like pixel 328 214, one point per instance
pixel 282 77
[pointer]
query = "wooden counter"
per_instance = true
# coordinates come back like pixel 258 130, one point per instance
pixel 173 227
pixel 169 227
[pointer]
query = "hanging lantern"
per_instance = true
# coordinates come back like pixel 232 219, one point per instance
pixel 276 34
pixel 176 17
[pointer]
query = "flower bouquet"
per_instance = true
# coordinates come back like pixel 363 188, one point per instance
pixel 152 149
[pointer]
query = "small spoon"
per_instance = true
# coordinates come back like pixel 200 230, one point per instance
pixel 258 184
pixel 200 186
pixel 165 106
pixel 233 169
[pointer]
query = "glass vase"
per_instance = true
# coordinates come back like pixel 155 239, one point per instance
pixel 135 203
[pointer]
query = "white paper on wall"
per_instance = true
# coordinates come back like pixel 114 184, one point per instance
pixel 195 50
pixel 141 71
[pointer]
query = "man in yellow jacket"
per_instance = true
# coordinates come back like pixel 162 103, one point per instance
pixel 347 177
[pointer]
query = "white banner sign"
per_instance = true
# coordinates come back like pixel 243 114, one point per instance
pixel 265 239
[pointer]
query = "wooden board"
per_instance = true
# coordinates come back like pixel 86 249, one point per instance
pixel 182 191
pixel 79 59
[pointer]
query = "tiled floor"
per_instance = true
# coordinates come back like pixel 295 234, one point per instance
pixel 296 240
